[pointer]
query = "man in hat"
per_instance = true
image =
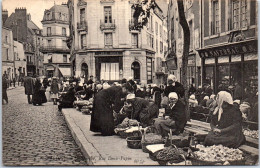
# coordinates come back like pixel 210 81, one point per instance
pixel 28 86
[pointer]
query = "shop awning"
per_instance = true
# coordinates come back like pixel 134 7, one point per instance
pixel 65 72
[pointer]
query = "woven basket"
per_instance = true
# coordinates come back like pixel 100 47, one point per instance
pixel 134 142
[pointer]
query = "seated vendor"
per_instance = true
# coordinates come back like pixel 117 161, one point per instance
pixel 174 119
pixel 66 100
pixel 139 109
pixel 226 123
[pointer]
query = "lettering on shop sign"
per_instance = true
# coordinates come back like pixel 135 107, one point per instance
pixel 108 53
pixel 228 50
pixel 136 53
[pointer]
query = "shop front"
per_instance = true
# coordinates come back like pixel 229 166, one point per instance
pixel 225 65
pixel 109 66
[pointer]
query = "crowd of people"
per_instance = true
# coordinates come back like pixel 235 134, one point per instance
pixel 127 99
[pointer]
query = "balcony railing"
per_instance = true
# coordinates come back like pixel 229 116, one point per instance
pixel 82 26
pixel 133 26
pixel 55 34
pixel 54 49
pixel 107 26
pixel 107 1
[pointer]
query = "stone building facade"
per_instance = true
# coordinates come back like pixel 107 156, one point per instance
pixel 54 46
pixel 105 45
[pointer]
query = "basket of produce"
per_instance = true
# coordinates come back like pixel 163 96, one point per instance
pixel 134 142
pixel 171 154
pixel 150 139
pixel 217 155
pixel 153 150
pixel 181 140
pixel 133 132
pixel 121 132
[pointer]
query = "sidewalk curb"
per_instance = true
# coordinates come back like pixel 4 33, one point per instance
pixel 88 150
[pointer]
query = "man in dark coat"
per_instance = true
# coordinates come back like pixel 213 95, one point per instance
pixel 29 89
pixel 90 81
pixel 105 102
pixel 174 86
pixel 4 89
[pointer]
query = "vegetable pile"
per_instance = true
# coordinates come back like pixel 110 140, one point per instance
pixel 218 153
pixel 171 153
pixel 251 133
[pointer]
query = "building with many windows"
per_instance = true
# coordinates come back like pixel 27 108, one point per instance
pixel 229 44
pixel 25 31
pixel 54 46
pixel 7 53
pixel 106 45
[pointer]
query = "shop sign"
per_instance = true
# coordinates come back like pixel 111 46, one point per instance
pixel 149 54
pixel 136 53
pixel 191 60
pixel 229 50
pixel 109 53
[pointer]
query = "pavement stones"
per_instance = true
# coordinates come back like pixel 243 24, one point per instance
pixel 36 135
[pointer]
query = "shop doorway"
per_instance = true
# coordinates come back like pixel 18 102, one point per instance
pixel 136 70
pixel 84 71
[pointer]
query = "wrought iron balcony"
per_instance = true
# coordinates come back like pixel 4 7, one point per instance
pixel 108 25
pixel 82 26
pixel 55 34
pixel 45 49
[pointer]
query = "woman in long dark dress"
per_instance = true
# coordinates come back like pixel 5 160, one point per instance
pixel 226 123
pixel 105 102
pixel 39 93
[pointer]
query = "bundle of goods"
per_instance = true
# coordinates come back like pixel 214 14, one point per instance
pixel 251 133
pixel 217 155
pixel 134 132
pixel 171 154
pixel 126 125
pixel 150 139
pixel 84 106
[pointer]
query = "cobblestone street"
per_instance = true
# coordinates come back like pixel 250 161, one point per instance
pixel 36 135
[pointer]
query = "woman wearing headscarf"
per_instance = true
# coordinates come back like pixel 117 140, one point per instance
pixel 140 109
pixel 174 119
pixel 39 94
pixel 54 90
pixel 105 102
pixel 174 86
pixel 226 123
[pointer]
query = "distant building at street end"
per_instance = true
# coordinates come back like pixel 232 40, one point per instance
pixel 19 60
pixel 25 31
pixel 55 32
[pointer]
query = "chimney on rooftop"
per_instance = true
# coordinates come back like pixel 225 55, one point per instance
pixel 4 16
